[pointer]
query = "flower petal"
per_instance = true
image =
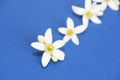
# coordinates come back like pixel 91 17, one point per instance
pixel 38 46
pixel 70 23
pixel 45 59
pixel 100 13
pixel 59 54
pixel 116 2
pixel 113 6
pixel 75 40
pixel 88 4
pixel 98 10
pixel 85 20
pixel 41 38
pixel 80 29
pixel 54 59
pixel 98 0
pixel 103 6
pixel 62 30
pixel 58 44
pixel 48 36
pixel 96 20
pixel 78 10
pixel 66 39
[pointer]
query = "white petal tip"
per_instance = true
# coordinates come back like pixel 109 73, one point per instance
pixel 54 59
pixel 59 30
pixel 77 43
pixel 41 38
pixel 48 36
pixel 99 22
pixel 96 20
pixel 44 65
pixel 62 30
pixel 62 59
pixel 69 18
pixel 32 44
pixel 73 6
pixel 49 29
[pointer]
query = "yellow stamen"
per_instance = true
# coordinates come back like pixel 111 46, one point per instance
pixel 107 0
pixel 89 14
pixel 49 48
pixel 70 32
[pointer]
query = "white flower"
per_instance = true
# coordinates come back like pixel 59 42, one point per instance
pixel 70 32
pixel 89 13
pixel 51 50
pixel 113 4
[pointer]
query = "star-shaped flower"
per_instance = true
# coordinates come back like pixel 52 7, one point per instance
pixel 89 13
pixel 51 50
pixel 113 4
pixel 71 32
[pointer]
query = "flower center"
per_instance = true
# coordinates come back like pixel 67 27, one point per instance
pixel 89 14
pixel 107 0
pixel 70 32
pixel 49 48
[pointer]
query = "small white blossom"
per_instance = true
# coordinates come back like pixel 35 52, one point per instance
pixel 87 13
pixel 71 32
pixel 51 50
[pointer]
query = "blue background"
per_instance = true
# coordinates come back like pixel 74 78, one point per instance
pixel 96 58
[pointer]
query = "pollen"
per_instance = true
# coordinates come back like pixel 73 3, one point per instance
pixel 49 48
pixel 70 32
pixel 89 14
pixel 107 0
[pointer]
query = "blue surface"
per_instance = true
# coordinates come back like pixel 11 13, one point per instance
pixel 96 58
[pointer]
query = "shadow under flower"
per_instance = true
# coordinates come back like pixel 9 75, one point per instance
pixel 40 53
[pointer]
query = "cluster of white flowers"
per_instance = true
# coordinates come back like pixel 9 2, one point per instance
pixel 93 9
